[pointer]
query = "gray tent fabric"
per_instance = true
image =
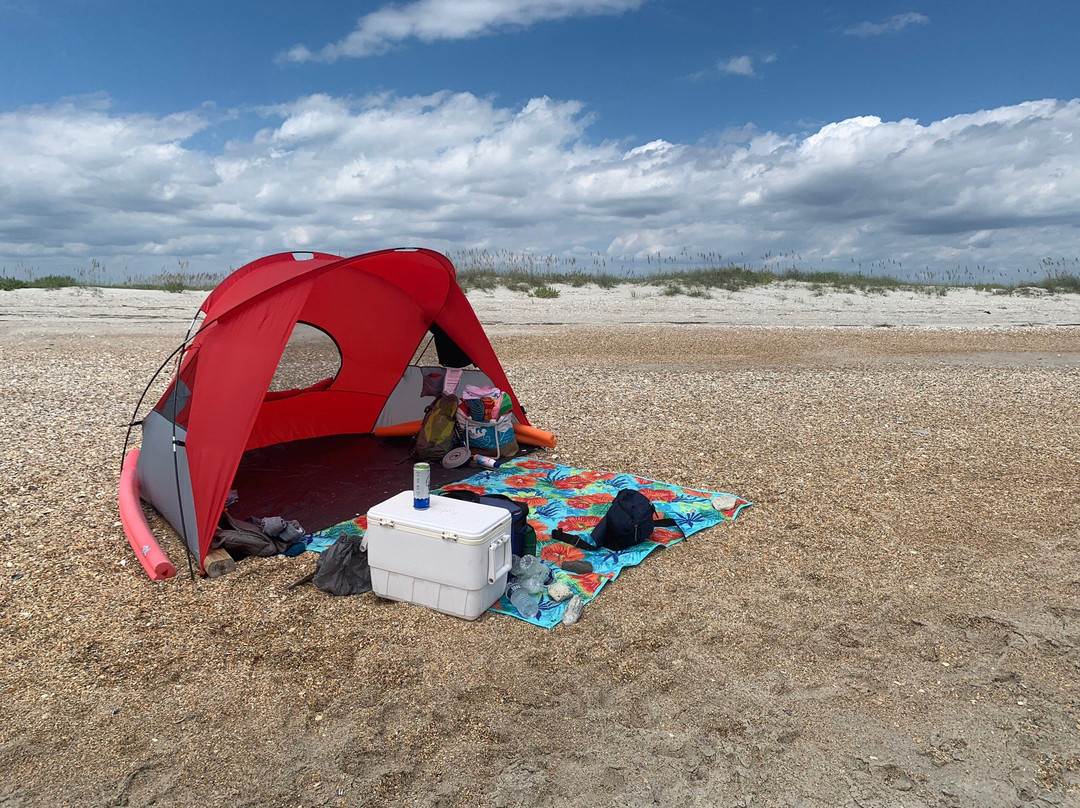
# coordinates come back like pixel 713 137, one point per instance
pixel 406 402
pixel 157 472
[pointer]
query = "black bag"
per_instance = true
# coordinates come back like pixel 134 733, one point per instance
pixel 522 535
pixel 342 568
pixel 629 521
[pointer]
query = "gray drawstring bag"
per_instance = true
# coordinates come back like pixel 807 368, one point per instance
pixel 342 568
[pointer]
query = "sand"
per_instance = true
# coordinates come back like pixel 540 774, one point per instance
pixel 895 621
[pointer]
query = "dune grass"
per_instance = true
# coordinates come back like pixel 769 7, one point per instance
pixel 705 281
pixel 700 276
pixel 46 282
pixel 95 275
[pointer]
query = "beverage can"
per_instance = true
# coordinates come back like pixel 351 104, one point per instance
pixel 421 485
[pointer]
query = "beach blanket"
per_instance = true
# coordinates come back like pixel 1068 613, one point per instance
pixel 575 500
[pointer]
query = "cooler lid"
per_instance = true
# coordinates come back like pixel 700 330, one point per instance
pixel 446 518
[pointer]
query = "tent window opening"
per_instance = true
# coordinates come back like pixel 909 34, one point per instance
pixel 174 405
pixel 438 348
pixel 425 353
pixel 311 360
pixel 450 354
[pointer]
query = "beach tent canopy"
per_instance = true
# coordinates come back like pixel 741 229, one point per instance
pixel 377 309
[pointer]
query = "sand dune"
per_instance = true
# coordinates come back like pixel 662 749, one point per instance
pixel 793 305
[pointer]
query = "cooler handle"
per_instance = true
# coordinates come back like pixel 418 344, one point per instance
pixel 496 574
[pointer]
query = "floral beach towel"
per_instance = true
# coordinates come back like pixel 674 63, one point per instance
pixel 575 500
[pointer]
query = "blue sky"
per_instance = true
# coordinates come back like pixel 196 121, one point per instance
pixel 925 138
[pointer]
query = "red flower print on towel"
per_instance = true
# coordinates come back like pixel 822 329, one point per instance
pixel 579 524
pixel 520 481
pixel 583 480
pixel 589 582
pixel 476 489
pixel 535 464
pixel 557 552
pixel 585 501
pixel 658 494
pixel 665 536
pixel 700 494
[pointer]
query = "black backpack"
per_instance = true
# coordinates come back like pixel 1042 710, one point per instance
pixel 629 521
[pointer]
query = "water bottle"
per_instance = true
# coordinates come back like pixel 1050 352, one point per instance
pixel 530 573
pixel 523 601
pixel 534 585
pixel 529 566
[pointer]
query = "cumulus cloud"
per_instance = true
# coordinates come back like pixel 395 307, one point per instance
pixel 997 188
pixel 431 20
pixel 738 65
pixel 743 65
pixel 889 25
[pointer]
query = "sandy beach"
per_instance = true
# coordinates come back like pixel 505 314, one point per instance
pixel 894 622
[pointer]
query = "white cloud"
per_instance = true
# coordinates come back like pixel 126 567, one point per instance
pixel 431 20
pixel 890 25
pixel 997 188
pixel 742 65
pixel 738 65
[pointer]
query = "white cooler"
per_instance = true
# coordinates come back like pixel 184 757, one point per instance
pixel 452 556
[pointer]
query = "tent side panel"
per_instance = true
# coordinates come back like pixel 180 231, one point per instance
pixel 314 415
pixel 158 469
pixel 258 276
pixel 376 324
pixel 236 365
pixel 421 275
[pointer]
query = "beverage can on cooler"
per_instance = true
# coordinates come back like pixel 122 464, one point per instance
pixel 421 485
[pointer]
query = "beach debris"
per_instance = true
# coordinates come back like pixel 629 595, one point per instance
pixel 573 611
pixel 724 502
pixel 558 591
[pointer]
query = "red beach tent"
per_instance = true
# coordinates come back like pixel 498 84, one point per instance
pixel 376 308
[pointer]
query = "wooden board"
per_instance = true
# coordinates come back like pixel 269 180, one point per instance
pixel 218 562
